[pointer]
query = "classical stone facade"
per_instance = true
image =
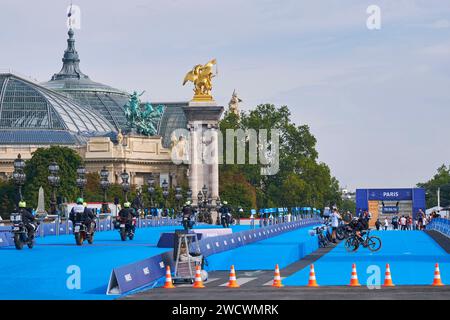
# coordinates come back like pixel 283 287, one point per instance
pixel 138 155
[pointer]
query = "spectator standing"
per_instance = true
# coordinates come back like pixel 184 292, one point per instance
pixel 403 223
pixel 395 222
pixel 335 216
pixel 378 224
pixel 386 224
pixel 408 223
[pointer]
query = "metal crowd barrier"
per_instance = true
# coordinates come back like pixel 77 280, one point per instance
pixel 441 225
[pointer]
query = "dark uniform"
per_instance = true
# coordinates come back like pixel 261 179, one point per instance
pixel 127 215
pixel 225 215
pixel 79 213
pixel 28 220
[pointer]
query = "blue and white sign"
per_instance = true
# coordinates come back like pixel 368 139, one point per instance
pixel 390 194
pixel 390 209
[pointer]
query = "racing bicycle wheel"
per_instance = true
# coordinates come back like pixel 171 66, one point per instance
pixel 374 243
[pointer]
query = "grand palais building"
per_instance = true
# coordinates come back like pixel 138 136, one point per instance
pixel 74 111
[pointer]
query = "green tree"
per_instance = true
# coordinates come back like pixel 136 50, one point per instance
pixel 8 198
pixel 37 172
pixel 440 180
pixel 301 179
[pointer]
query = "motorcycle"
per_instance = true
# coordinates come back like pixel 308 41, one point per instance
pixel 187 223
pixel 225 220
pixel 126 229
pixel 82 233
pixel 20 232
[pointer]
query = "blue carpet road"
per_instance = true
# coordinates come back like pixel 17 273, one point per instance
pixel 40 273
pixel 411 255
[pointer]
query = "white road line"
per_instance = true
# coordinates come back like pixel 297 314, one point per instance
pixel 240 281
pixel 271 281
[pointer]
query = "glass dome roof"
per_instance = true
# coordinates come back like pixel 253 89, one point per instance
pixel 72 82
pixel 27 105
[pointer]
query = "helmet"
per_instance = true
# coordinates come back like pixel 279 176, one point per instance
pixel 22 204
pixel 225 202
pixel 126 204
pixel 80 200
pixel 188 203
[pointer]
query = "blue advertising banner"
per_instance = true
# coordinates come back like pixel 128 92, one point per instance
pixel 390 209
pixel 390 194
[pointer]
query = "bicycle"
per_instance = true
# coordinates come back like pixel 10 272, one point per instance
pixel 323 240
pixel 373 243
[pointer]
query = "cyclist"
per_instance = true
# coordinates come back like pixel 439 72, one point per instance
pixel 362 224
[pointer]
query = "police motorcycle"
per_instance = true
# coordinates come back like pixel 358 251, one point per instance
pixel 126 225
pixel 20 232
pixel 188 220
pixel 126 228
pixel 82 230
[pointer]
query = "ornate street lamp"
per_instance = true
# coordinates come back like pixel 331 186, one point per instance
pixel 104 184
pixel 151 188
pixel 205 191
pixel 165 193
pixel 18 174
pixel 189 195
pixel 81 179
pixel 53 180
pixel 125 184
pixel 218 204
pixel 178 196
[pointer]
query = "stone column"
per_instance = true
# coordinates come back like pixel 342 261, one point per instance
pixel 193 158
pixel 214 179
pixel 203 116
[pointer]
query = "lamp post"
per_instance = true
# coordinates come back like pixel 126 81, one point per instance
pixel 189 195
pixel 178 196
pixel 104 184
pixel 53 180
pixel 151 188
pixel 125 184
pixel 18 174
pixel 81 179
pixel 165 193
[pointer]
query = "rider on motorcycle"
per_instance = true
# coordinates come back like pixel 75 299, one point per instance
pixel 28 219
pixel 81 213
pixel 225 214
pixel 127 215
pixel 187 213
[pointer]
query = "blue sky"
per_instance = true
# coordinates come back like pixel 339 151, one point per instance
pixel 377 101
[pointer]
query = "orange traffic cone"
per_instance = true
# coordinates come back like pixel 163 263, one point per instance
pixel 232 283
pixel 354 279
pixel 169 283
pixel 312 277
pixel 437 276
pixel 198 283
pixel 387 277
pixel 277 278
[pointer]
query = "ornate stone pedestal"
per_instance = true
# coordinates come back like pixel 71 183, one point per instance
pixel 203 118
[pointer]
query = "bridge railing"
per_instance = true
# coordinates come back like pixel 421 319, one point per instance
pixel 441 225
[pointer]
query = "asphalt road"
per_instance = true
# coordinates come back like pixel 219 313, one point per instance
pixel 296 293
pixel 256 285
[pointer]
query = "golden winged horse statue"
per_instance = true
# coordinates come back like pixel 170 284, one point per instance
pixel 201 76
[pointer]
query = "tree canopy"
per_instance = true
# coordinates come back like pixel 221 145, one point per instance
pixel 440 180
pixel 301 179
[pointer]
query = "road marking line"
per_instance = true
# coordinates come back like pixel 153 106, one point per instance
pixel 271 282
pixel 240 281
